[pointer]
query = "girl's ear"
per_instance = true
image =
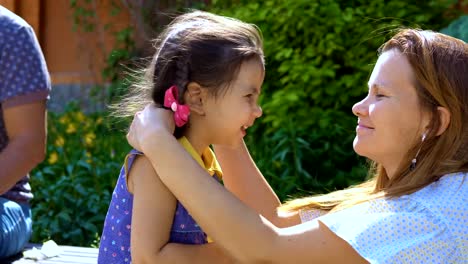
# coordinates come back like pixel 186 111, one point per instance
pixel 444 116
pixel 194 97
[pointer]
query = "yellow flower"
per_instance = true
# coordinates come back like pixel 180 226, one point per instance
pixel 53 157
pixel 63 119
pixel 60 141
pixel 99 121
pixel 71 128
pixel 80 116
pixel 89 138
pixel 88 155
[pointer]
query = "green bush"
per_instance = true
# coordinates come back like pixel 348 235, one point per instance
pixel 458 28
pixel 319 55
pixel 73 186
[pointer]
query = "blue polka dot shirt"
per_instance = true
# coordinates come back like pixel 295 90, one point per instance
pixel 24 79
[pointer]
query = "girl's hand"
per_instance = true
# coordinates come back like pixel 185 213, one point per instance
pixel 148 124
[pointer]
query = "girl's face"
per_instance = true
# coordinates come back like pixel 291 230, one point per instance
pixel 390 120
pixel 228 116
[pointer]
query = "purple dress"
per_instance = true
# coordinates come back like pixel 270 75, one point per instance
pixel 115 239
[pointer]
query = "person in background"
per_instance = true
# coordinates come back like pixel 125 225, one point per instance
pixel 24 91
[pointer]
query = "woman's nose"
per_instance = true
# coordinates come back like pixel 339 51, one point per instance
pixel 360 108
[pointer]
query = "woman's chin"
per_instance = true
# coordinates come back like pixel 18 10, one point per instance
pixel 360 148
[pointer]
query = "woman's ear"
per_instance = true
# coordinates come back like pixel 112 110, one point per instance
pixel 194 98
pixel 444 117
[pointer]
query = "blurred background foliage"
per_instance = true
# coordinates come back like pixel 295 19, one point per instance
pixel 73 186
pixel 319 55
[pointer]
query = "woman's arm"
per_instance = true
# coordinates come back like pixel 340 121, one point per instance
pixel 194 254
pixel 244 233
pixel 152 217
pixel 242 177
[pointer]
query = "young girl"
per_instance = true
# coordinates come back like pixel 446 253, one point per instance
pixel 208 70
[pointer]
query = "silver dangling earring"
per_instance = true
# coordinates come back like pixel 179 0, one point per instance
pixel 413 162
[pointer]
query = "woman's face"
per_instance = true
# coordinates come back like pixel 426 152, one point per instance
pixel 390 120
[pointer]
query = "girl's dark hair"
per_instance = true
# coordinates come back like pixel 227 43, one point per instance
pixel 195 47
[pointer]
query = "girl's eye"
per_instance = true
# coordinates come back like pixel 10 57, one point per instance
pixel 380 96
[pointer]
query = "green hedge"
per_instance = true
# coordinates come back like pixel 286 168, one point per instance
pixel 319 56
pixel 73 186
pixel 458 28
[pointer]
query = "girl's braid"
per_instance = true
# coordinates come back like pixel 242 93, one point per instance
pixel 182 71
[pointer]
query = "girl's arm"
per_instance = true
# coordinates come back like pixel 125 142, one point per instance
pixel 242 177
pixel 245 234
pixel 153 214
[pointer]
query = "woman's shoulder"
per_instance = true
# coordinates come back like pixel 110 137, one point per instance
pixel 310 214
pixel 446 195
pixel 424 225
pixel 449 193
pixel 449 184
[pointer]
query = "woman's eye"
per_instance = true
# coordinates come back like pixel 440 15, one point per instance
pixel 380 95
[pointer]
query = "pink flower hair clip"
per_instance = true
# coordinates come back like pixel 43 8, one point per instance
pixel 181 111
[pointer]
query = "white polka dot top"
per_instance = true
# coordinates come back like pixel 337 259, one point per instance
pixel 428 226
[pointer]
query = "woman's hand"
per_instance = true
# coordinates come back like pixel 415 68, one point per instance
pixel 147 124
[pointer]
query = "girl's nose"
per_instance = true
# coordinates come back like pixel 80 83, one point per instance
pixel 258 111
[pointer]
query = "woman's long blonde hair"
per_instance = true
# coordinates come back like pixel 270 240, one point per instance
pixel 440 66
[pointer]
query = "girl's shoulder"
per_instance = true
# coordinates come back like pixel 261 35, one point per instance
pixel 122 182
pixel 129 159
